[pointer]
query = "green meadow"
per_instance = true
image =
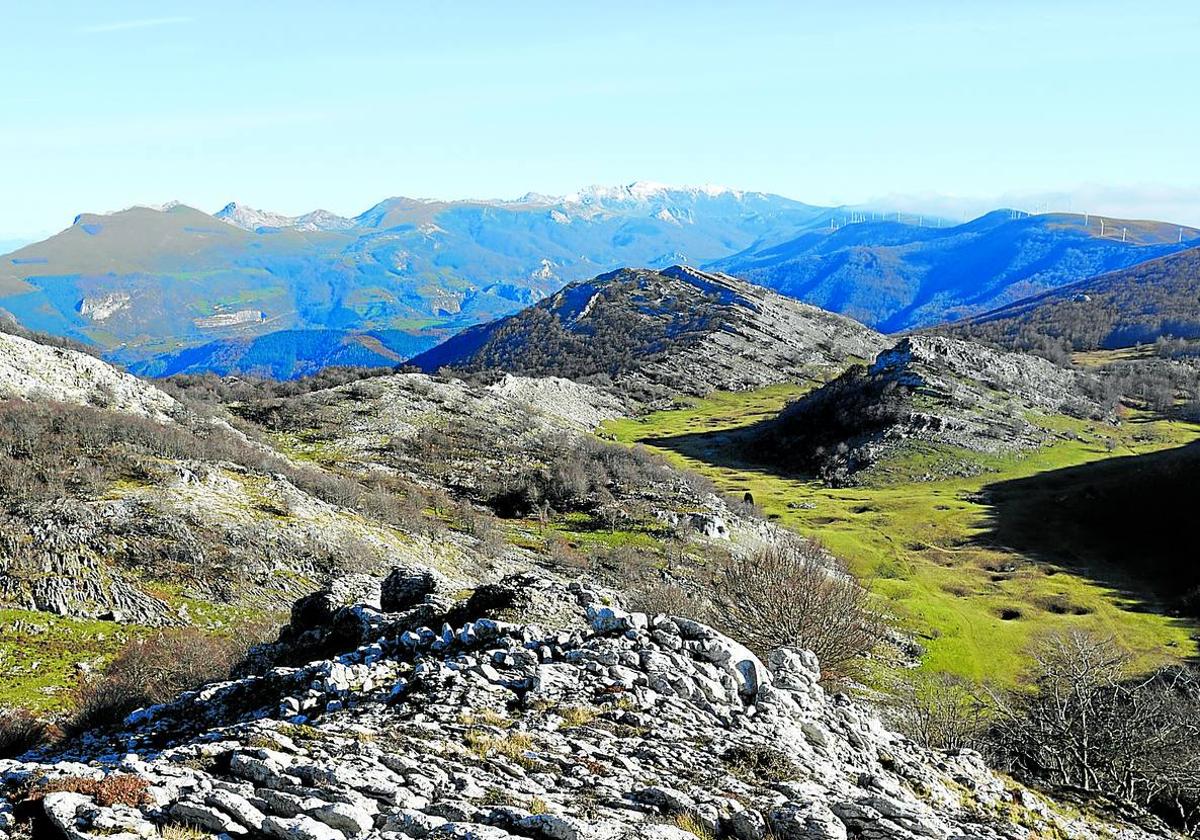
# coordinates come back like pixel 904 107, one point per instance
pixel 927 548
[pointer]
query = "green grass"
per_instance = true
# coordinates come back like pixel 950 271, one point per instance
pixel 925 546
pixel 38 663
pixel 38 666
pixel 582 531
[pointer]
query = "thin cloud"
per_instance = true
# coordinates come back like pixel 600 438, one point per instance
pixel 143 23
pixel 1166 203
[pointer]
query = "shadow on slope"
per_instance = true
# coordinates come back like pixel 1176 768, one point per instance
pixel 1119 523
pixel 1123 521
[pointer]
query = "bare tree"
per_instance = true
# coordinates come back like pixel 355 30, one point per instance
pixel 792 593
pixel 1090 722
pixel 938 711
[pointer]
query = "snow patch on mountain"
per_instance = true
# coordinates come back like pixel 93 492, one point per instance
pixel 248 218
pixel 642 192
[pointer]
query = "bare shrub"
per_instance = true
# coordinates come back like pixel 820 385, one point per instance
pixel 20 731
pixel 1090 723
pixel 791 593
pixel 938 711
pixel 669 599
pixel 154 670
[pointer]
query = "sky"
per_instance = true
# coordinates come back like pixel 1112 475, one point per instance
pixel 951 107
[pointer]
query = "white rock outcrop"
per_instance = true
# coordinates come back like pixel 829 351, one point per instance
pixel 636 727
pixel 33 371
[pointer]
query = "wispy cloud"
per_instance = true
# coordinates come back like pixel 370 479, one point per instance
pixel 143 23
pixel 1169 203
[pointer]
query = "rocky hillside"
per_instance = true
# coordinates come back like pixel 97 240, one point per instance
pixel 119 502
pixel 658 332
pixel 1138 305
pixel 578 721
pixel 896 276
pixel 930 393
pixel 123 508
pixel 33 371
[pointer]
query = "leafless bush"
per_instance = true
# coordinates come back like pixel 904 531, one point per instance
pixel 154 670
pixel 791 593
pixel 938 711
pixel 20 730
pixel 1091 724
pixel 669 599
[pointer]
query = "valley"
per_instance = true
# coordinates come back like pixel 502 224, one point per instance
pixel 927 544
pixel 840 485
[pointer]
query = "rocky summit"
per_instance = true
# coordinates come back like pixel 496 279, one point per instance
pixel 941 395
pixel 658 333
pixel 426 717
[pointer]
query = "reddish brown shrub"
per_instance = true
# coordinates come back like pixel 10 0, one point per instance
pixel 154 670
pixel 117 789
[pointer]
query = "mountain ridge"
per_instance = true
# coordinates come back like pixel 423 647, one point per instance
pixel 675 330
pixel 140 282
pixel 896 277
pixel 1136 305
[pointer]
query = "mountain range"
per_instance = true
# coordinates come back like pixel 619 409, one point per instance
pixel 894 276
pixel 146 281
pixel 174 289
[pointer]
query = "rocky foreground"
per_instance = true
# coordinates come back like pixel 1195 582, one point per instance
pixel 427 715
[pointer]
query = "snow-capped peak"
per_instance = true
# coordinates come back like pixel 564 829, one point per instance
pixel 641 192
pixel 250 219
pixel 165 207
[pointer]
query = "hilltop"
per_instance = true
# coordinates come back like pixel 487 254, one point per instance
pixel 895 276
pixel 1137 305
pixel 927 391
pixel 649 332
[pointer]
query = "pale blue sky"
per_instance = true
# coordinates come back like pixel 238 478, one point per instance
pixel 292 106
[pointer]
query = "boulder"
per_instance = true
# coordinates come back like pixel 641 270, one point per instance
pixel 710 526
pixel 806 821
pixel 318 609
pixel 408 585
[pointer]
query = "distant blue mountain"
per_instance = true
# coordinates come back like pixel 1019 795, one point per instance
pixel 172 288
pixel 289 354
pixel 145 281
pixel 895 276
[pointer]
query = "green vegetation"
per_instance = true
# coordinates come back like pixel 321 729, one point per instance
pixel 1138 305
pixel 974 604
pixel 40 653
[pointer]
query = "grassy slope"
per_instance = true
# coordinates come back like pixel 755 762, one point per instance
pixel 40 653
pixel 926 543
